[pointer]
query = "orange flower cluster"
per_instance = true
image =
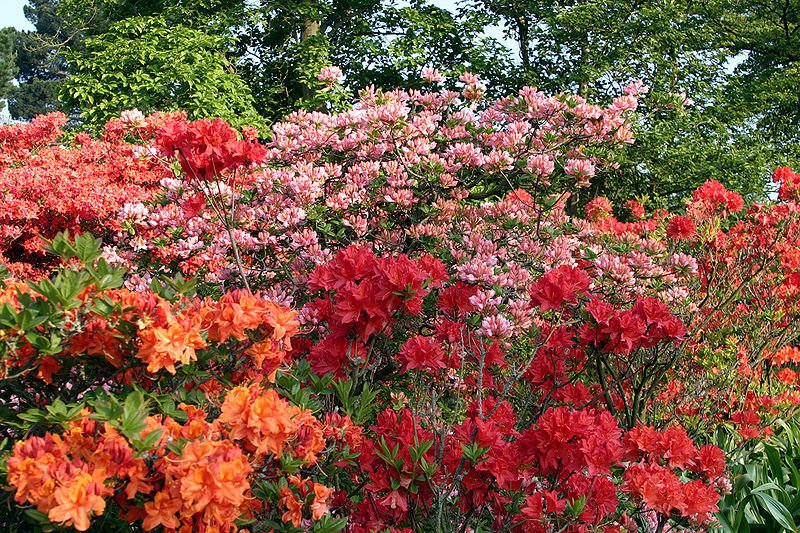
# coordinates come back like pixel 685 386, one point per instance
pixel 269 425
pixel 207 484
pixel 167 334
pixel 68 476
pixel 238 312
pixel 788 376
pixel 320 496
pixel 196 478
pixel 174 342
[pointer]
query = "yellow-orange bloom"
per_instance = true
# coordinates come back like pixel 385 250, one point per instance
pixel 161 512
pixel 162 347
pixel 77 501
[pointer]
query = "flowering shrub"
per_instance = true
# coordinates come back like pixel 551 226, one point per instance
pixel 395 319
pixel 46 187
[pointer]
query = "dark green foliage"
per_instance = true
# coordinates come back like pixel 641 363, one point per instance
pixel 8 64
pixel 736 59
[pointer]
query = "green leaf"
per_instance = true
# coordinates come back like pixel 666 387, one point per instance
pixel 776 510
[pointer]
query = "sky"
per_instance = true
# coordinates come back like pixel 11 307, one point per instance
pixel 11 14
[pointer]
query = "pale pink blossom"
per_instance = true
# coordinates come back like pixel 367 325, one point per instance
pixel 432 75
pixel 329 74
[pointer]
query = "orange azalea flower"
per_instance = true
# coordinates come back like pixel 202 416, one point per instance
pixel 26 475
pixel 77 501
pixel 322 497
pixel 283 321
pixel 263 419
pixel 234 410
pixel 294 507
pixel 270 423
pixel 236 312
pixel 163 347
pixel 213 477
pixel 196 425
pixel 31 469
pixel 310 437
pixel 47 367
pixel 266 357
pixel 161 512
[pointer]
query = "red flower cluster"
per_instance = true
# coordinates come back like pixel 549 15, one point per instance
pixel 566 441
pixel 367 295
pixel 599 208
pixel 789 188
pixel 396 480
pixel 423 353
pixel 649 322
pixel 681 228
pixel 713 194
pixel 46 188
pixel 652 478
pixel 560 286
pixel 207 148
pixel 18 142
pixel 573 451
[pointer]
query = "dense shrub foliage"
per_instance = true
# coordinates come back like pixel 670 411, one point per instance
pixel 390 319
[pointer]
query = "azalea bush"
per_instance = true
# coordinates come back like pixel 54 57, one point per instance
pixel 393 318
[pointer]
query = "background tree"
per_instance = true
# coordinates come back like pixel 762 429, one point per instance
pixel 266 54
pixel 593 47
pixel 40 67
pixel 278 47
pixel 8 66
pixel 283 44
pixel 151 64
pixel 764 37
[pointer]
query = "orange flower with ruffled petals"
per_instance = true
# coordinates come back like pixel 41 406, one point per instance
pixel 162 347
pixel 161 511
pixel 77 502
pixel 294 507
pixel 322 498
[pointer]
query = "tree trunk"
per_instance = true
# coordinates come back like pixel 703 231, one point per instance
pixel 310 29
pixel 523 34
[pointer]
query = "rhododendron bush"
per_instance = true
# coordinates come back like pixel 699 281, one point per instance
pixel 395 318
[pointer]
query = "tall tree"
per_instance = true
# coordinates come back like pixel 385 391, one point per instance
pixel 283 44
pixel 149 64
pixel 764 37
pixel 41 69
pixel 592 47
pixel 276 46
pixel 8 66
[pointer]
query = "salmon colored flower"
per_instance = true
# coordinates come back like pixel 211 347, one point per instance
pixel 293 506
pixel 161 512
pixel 77 502
pixel 322 497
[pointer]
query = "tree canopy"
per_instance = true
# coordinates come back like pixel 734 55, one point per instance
pixel 722 74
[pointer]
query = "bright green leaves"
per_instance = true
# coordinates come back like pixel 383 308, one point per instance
pixel 360 407
pixel 766 485
pixel 152 65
